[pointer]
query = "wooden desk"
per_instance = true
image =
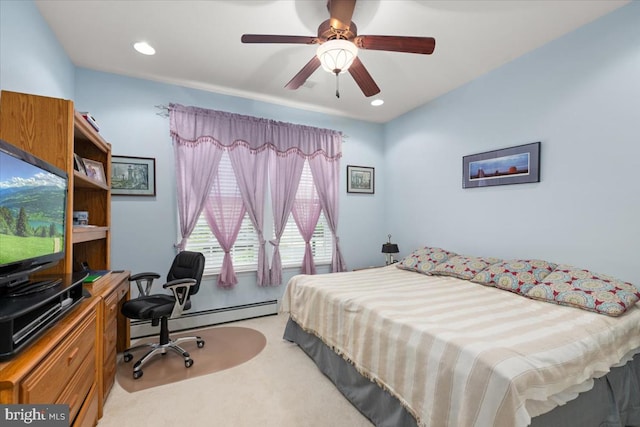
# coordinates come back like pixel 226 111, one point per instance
pixel 74 362
pixel 114 335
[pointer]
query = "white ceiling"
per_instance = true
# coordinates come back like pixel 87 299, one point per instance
pixel 198 44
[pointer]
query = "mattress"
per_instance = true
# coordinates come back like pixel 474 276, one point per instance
pixel 456 353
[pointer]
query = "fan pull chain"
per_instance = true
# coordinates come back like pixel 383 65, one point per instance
pixel 337 85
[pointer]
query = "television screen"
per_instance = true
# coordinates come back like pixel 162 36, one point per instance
pixel 33 201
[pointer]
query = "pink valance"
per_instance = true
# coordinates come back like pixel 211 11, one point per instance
pixel 193 125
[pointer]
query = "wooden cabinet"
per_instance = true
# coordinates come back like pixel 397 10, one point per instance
pixel 75 361
pixel 51 129
pixel 61 367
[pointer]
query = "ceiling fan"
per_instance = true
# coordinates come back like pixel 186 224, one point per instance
pixel 339 42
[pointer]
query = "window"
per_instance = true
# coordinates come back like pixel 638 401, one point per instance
pixel 245 251
pixel 292 244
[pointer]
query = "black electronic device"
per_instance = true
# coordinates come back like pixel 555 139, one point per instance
pixel 33 211
pixel 31 310
pixel 33 215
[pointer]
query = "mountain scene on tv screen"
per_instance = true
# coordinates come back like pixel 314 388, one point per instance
pixel 31 215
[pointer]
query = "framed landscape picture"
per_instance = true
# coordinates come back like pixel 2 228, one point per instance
pixel 133 176
pixel 513 165
pixel 360 179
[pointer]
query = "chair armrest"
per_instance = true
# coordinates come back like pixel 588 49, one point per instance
pixel 144 281
pixel 180 289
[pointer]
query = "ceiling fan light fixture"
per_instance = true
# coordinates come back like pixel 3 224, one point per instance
pixel 336 56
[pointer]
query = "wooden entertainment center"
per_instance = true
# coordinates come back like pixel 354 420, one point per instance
pixel 74 361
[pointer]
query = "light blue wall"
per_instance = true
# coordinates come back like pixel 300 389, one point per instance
pixel 31 58
pixel 579 96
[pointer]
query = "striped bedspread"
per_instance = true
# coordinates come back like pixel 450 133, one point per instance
pixel 456 353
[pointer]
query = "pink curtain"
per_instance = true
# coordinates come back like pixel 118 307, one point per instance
pixel 326 176
pixel 284 175
pixel 250 168
pixel 201 136
pixel 224 211
pixel 306 211
pixel 196 163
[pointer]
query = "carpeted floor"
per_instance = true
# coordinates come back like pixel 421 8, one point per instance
pixel 225 347
pixel 280 387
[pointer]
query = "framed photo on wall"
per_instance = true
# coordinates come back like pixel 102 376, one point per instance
pixel 133 176
pixel 513 165
pixel 360 179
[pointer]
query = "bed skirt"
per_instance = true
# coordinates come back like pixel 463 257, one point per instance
pixel 614 400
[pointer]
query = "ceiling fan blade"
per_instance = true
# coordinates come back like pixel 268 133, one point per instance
pixel 423 45
pixel 363 78
pixel 302 76
pixel 268 38
pixel 341 12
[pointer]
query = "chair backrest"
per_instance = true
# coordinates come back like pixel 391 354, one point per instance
pixel 187 265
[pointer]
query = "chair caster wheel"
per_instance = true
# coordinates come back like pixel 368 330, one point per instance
pixel 137 374
pixel 200 344
pixel 128 357
pixel 188 363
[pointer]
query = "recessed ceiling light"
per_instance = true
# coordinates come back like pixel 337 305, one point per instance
pixel 377 102
pixel 144 48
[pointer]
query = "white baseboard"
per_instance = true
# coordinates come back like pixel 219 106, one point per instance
pixel 143 328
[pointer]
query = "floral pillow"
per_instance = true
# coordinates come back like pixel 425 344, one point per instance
pixel 575 287
pixel 424 260
pixel 517 275
pixel 463 267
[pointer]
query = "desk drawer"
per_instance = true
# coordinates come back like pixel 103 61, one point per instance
pixel 79 386
pixel 109 338
pixel 109 374
pixel 123 289
pixel 88 415
pixel 111 307
pixel 47 381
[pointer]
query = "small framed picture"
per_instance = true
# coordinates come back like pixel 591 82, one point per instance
pixel 78 164
pixel 94 170
pixel 133 176
pixel 360 179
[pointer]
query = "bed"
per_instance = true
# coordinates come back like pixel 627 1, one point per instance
pixel 415 349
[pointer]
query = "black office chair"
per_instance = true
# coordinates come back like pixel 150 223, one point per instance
pixel 183 279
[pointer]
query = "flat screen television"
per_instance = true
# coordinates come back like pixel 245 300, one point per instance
pixel 33 210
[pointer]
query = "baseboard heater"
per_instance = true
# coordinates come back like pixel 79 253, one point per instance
pixel 201 319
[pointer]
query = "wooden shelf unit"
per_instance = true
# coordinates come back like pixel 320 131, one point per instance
pixel 51 129
pixel 91 334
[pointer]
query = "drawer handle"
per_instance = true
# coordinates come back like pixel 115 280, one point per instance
pixel 72 356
